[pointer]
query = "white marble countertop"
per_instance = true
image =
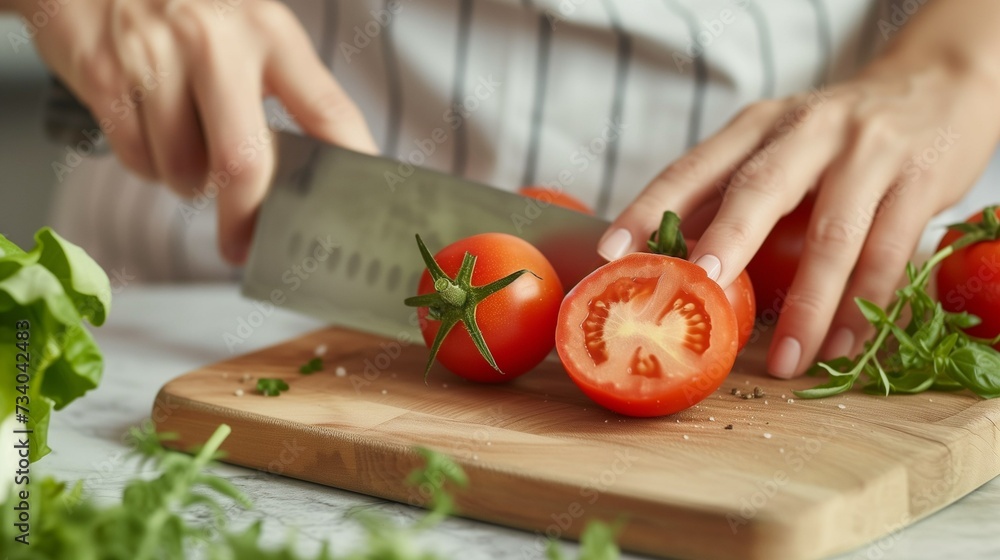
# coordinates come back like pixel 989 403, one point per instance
pixel 157 333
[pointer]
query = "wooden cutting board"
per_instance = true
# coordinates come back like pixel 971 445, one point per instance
pixel 790 479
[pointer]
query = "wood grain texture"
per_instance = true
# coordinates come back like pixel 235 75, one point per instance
pixel 802 479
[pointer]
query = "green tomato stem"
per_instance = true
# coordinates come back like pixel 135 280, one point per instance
pixel 450 292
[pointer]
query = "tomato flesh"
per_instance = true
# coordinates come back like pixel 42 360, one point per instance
pixel 517 322
pixel 969 280
pixel 742 297
pixel 647 335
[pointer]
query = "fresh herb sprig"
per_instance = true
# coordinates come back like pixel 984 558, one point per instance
pixel 271 387
pixel 312 366
pixel 932 352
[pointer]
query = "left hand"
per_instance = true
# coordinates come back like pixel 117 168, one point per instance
pixel 885 151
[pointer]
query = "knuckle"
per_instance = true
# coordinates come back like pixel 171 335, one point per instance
pixel 885 255
pixel 332 107
pixel 194 25
pixel 272 16
pixel 806 304
pixel 831 233
pixel 876 132
pixel 736 233
pixel 690 168
pixel 101 77
pixel 759 177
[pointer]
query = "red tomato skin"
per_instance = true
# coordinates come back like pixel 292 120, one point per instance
pixel 557 197
pixel 773 267
pixel 969 280
pixel 517 322
pixel 709 374
pixel 741 296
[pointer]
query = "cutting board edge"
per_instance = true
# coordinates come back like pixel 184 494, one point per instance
pixel 766 537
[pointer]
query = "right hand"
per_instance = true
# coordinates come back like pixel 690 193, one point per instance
pixel 177 86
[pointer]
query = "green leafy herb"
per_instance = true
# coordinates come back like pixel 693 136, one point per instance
pixel 162 517
pixel 932 352
pixel 597 542
pixel 455 300
pixel 45 296
pixel 271 387
pixel 312 366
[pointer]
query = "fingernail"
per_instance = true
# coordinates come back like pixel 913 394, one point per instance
pixel 711 264
pixel 785 358
pixel 841 343
pixel 615 245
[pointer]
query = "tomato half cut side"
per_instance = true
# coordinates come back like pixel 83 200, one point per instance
pixel 647 335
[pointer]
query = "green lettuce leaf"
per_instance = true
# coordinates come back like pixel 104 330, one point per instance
pixel 52 289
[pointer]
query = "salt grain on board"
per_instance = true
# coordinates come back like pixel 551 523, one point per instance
pixel 238 392
pixel 841 407
pixel 767 436
pixel 686 437
pixel 340 371
pixel 321 350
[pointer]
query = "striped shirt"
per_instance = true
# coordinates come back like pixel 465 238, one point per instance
pixel 595 96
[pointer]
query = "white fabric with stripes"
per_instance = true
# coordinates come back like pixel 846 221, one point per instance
pixel 542 83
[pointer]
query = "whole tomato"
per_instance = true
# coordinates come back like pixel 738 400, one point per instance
pixel 499 301
pixel 557 197
pixel 969 280
pixel 773 267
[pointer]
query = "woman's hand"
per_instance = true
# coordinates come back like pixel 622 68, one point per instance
pixel 177 87
pixel 885 152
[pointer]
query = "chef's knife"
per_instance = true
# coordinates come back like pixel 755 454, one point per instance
pixel 335 235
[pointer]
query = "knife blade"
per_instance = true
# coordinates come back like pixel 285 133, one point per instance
pixel 335 235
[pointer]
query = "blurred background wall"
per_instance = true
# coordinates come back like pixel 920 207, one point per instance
pixel 27 181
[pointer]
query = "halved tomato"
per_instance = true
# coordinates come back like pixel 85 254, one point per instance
pixel 647 335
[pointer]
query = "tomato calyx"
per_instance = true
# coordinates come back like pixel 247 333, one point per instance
pixel 986 230
pixel 455 300
pixel 668 239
